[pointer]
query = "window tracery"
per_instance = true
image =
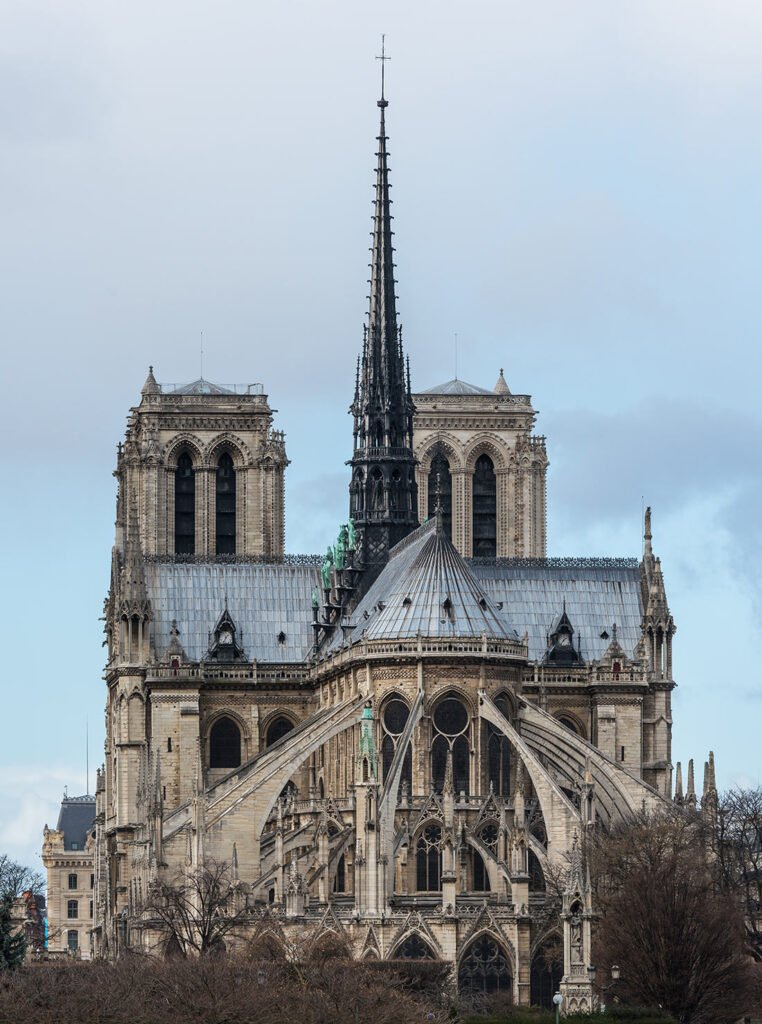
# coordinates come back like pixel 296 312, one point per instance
pixel 394 716
pixel 428 858
pixel 450 734
pixel 484 968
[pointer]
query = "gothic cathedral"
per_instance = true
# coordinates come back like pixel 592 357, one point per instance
pixel 402 740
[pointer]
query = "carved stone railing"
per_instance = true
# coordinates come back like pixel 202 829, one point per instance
pixel 558 563
pixel 370 650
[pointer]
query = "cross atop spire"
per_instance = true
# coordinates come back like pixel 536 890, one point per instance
pixel 383 58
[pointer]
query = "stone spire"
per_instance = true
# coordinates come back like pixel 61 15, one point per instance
pixel 679 798
pixel 690 791
pixel 383 491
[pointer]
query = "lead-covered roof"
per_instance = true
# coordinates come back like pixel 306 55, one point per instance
pixel 268 600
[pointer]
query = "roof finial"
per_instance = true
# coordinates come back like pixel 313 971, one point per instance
pixel 383 58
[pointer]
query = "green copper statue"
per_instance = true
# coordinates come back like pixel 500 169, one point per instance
pixel 315 598
pixel 340 551
pixel 351 535
pixel 325 571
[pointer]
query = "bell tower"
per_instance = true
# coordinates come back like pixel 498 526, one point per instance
pixel 383 494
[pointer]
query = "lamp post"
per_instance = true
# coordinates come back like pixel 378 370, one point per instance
pixel 557 1000
pixel 615 974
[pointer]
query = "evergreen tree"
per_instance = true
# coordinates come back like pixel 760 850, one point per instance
pixel 12 943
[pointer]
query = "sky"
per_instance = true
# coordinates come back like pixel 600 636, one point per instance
pixel 576 196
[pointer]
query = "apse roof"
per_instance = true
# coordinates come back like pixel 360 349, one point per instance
pixel 75 820
pixel 456 387
pixel 263 600
pixel 427 589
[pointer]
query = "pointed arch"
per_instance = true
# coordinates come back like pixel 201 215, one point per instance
pixel 484 967
pixel 413 947
pixel 225 743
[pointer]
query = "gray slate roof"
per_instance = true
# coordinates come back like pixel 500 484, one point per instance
pixel 263 601
pixel 427 589
pixel 75 819
pixel 457 387
pixel 596 596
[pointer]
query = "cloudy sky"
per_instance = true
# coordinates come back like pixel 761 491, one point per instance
pixel 577 197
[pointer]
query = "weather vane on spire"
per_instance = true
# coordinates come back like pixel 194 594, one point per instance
pixel 383 58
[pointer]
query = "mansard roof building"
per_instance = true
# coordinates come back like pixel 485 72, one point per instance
pixel 397 741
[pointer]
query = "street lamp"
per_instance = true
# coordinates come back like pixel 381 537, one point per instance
pixel 557 1000
pixel 615 973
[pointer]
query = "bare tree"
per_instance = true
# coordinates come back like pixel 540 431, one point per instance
pixel 197 910
pixel 677 938
pixel 16 879
pixel 738 853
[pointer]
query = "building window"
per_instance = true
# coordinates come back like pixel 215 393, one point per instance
pixel 484 969
pixel 414 948
pixel 75 846
pixel 428 859
pixel 277 729
pixel 451 722
pixel 91 908
pixel 440 491
pixel 225 505
pixel 72 940
pixel 225 744
pixel 169 744
pixel 92 881
pixel 484 508
pixel 394 718
pixel 72 909
pixel 72 881
pixel 185 506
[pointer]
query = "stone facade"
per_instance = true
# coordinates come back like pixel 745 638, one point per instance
pixel 394 744
pixel 460 423
pixel 68 854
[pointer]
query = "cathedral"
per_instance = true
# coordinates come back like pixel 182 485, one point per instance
pixel 399 742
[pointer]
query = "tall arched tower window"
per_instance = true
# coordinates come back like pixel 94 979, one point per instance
pixel 224 744
pixel 185 506
pixel 485 508
pixel 440 489
pixel 225 505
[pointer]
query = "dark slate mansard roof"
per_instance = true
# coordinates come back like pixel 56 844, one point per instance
pixel 75 819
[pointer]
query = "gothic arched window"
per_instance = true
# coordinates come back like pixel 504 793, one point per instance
pixel 185 506
pixel 428 859
pixel 277 729
pixel 451 721
pixel 484 968
pixel 225 505
pixel 484 508
pixel 547 968
pixel 224 744
pixel 498 761
pixel 440 490
pixel 394 716
pixel 414 948
pixel 479 871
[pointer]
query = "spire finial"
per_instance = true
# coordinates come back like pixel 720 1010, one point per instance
pixel 383 58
